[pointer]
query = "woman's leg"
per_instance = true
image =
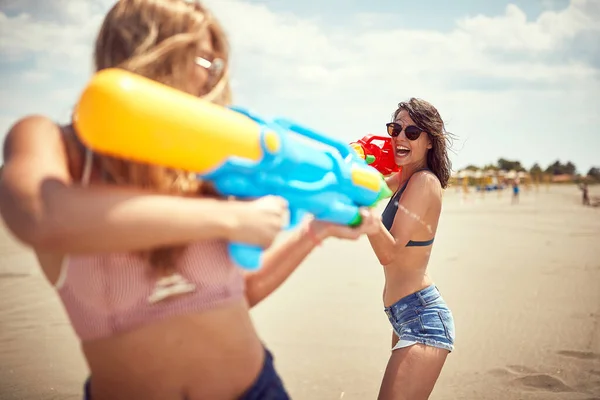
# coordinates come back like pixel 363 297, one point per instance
pixel 395 339
pixel 411 372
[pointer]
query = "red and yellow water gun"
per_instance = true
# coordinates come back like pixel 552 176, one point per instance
pixel 378 152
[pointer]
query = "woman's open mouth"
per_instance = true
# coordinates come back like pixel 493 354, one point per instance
pixel 402 151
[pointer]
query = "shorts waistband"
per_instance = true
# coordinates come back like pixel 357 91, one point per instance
pixel 418 299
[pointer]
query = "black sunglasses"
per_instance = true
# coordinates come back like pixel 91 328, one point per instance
pixel 412 132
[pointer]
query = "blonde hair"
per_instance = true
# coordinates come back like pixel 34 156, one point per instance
pixel 160 39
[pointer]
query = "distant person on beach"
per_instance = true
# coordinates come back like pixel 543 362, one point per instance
pixel 423 323
pixel 585 195
pixel 515 188
pixel 137 253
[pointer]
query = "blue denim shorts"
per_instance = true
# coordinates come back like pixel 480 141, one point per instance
pixel 422 317
pixel 267 386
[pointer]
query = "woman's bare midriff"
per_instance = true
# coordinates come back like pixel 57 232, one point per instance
pixel 210 355
pixel 406 276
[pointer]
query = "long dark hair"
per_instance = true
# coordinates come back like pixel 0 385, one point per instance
pixel 427 117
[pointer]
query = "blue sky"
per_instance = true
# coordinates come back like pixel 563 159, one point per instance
pixel 519 80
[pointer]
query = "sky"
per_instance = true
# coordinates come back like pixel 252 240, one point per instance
pixel 518 80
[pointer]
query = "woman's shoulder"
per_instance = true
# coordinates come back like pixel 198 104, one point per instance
pixel 31 136
pixel 426 177
pixel 35 129
pixel 425 182
pixel 31 124
pixel 38 137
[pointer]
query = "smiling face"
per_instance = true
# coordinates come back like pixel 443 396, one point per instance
pixel 410 148
pixel 420 138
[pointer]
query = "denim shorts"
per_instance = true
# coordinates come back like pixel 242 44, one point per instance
pixel 267 386
pixel 422 317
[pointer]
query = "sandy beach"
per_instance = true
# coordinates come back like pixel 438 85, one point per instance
pixel 522 280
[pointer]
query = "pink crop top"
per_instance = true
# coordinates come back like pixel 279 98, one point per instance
pixel 110 293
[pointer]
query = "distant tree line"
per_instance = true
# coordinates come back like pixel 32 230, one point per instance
pixel 556 168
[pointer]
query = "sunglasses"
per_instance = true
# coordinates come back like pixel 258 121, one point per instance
pixel 214 67
pixel 412 132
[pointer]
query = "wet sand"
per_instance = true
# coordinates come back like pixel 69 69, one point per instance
pixel 523 282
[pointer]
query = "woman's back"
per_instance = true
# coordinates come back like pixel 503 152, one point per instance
pixel 212 354
pixel 107 294
pixel 180 344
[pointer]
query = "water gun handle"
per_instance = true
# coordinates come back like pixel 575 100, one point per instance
pixel 245 255
pixel 249 256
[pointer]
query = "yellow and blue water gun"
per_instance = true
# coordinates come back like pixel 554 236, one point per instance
pixel 131 117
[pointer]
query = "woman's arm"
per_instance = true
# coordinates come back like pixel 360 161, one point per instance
pixel 42 207
pixel 279 262
pixel 282 259
pixel 422 192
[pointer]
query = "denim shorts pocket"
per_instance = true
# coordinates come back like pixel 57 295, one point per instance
pixel 448 322
pixel 432 324
pixel 410 326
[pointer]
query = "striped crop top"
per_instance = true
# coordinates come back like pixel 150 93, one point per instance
pixel 105 294
pixel 111 293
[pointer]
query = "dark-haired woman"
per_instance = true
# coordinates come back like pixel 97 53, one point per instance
pixel 422 322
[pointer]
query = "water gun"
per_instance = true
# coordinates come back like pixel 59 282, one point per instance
pixel 378 152
pixel 134 118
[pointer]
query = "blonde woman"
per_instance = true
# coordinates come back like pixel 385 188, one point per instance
pixel 137 253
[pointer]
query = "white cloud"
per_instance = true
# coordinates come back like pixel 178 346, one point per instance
pixel 56 45
pixel 513 32
pixel 496 79
pixel 300 44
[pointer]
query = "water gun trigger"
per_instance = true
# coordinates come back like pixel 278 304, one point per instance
pixel 249 256
pixel 296 216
